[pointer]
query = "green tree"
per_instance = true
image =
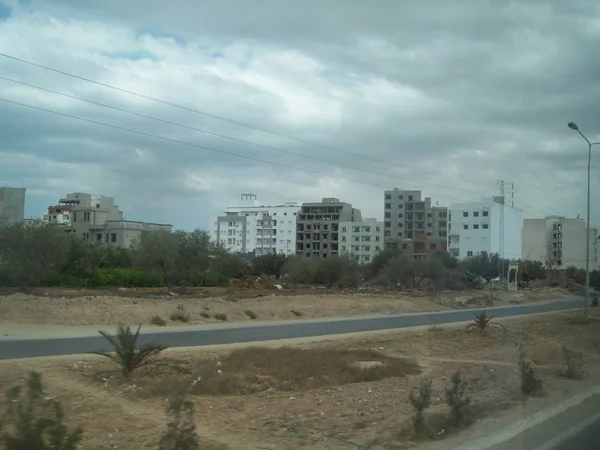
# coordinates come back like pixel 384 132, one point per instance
pixel 32 252
pixel 300 270
pixel 398 272
pixel 30 421
pixel 338 271
pixel 270 265
pixel 380 261
pixel 159 250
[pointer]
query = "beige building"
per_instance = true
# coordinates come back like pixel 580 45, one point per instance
pixel 362 240
pixel 317 227
pixel 559 241
pixel 97 219
pixel 413 224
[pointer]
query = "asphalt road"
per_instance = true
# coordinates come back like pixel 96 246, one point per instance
pixel 27 348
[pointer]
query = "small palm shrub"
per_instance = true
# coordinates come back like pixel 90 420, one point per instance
pixel 481 322
pixel 574 362
pixel 531 384
pixel 126 352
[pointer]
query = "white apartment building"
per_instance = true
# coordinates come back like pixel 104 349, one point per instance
pixel 255 227
pixel 559 241
pixel 475 227
pixel 361 239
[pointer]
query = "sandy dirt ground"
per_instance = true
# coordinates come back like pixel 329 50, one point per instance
pixel 375 415
pixel 76 307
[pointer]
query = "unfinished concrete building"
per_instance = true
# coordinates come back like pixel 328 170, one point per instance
pixel 317 227
pixel 412 224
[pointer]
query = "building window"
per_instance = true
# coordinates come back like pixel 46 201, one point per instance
pixel 410 197
pixel 405 246
pixel 343 229
pixel 388 196
pixel 113 237
pixel 388 206
pixel 388 224
pixel 400 224
pixel 343 248
pixel 388 215
pixel 99 237
pixel 376 238
pixel 367 248
pixel 343 238
pixel 400 206
pixel 484 213
pixel 432 246
pixel 429 233
pixel 485 226
pixel 475 213
pixel 469 254
pixel 465 226
pixel 367 229
pixel 409 234
pixel 400 215
pixel 465 214
pixel 400 233
pixel 476 227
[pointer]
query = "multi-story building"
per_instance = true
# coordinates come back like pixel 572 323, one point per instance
pixel 12 205
pixel 318 224
pixel 412 224
pixel 257 228
pixel 559 241
pixel 476 227
pixel 96 218
pixel 362 240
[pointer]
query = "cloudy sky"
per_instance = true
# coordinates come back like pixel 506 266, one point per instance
pixel 337 98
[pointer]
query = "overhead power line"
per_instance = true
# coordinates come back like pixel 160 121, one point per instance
pixel 203 147
pixel 127 111
pixel 241 124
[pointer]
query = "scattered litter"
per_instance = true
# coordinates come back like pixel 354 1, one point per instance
pixel 278 286
pixel 220 372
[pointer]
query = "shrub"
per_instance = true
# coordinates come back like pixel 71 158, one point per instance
pixel 126 353
pixel 220 316
pixel 481 322
pixel 460 411
pixel 270 265
pixel 181 426
pixel 595 302
pixel 157 320
pixel 180 316
pixel 574 362
pixel 35 423
pixel 251 314
pixel 296 313
pixel 205 315
pixel 420 402
pixel 531 384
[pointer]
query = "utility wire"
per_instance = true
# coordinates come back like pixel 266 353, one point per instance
pixel 142 133
pixel 241 124
pixel 127 111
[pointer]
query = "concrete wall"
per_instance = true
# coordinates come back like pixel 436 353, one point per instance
pixel 12 205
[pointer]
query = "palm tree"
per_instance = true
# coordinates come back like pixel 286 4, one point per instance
pixel 126 353
pixel 481 322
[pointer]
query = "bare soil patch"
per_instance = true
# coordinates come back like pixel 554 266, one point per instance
pixel 79 308
pixel 341 393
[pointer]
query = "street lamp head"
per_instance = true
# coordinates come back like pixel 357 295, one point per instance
pixel 573 126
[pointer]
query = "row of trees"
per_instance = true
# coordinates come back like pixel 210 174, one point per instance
pixel 45 255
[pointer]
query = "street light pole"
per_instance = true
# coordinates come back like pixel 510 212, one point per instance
pixel 573 126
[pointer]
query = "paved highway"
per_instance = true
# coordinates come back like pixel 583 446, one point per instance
pixel 27 348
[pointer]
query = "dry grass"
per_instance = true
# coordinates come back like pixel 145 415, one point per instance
pixel 258 369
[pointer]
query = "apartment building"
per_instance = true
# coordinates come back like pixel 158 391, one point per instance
pixel 318 226
pixel 476 227
pixel 257 228
pixel 362 240
pixel 12 205
pixel 412 224
pixel 96 218
pixel 559 241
